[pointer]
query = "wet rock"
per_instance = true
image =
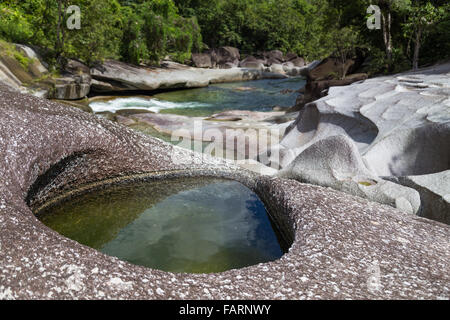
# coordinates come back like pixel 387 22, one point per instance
pixel 124 120
pixel 129 112
pixel 80 104
pixel 107 115
pixel 235 115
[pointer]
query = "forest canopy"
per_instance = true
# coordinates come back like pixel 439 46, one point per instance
pixel 412 32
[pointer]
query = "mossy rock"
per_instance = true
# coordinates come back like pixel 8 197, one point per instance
pixel 16 68
pixel 81 104
pixel 130 112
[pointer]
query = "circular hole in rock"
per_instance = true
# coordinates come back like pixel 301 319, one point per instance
pixel 188 225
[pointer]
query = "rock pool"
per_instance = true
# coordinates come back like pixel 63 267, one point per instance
pixel 200 225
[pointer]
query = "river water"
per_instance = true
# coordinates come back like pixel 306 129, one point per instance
pixel 259 95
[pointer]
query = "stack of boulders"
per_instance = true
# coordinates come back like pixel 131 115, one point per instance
pixel 76 80
pixel 222 58
pixel 75 83
pixel 268 61
pixel 330 72
pixel 385 139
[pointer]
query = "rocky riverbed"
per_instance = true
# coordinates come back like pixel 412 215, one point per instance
pixel 356 178
pixel 342 246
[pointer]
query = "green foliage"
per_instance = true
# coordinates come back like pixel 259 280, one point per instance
pixel 345 41
pixel 133 47
pixel 100 33
pixel 146 31
pixel 14 24
pixel 11 50
pixel 154 29
pixel 256 25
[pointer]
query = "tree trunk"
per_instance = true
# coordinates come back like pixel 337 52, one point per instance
pixel 387 37
pixel 58 30
pixel 417 49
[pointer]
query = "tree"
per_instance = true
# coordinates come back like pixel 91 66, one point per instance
pixel 345 41
pixel 420 19
pixel 388 8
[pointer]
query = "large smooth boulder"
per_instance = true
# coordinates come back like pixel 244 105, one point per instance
pixel 76 67
pixel 290 56
pixel 202 60
pixel 399 124
pixel 434 191
pixel 336 163
pixel 225 56
pixel 315 90
pixel 330 68
pixel 36 67
pixel 251 62
pixel 275 55
pixel 298 62
pixel 277 68
pixel 126 77
pixel 71 88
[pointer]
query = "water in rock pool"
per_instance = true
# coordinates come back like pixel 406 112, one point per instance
pixel 200 225
pixel 260 95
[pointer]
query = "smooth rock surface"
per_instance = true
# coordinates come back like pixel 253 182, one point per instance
pixel 202 60
pixel 400 125
pixel 336 163
pixel 342 246
pixel 435 190
pixel 126 77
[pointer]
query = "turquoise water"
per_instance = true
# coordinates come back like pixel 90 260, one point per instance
pixel 183 225
pixel 260 95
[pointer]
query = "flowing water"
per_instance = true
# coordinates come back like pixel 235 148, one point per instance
pixel 200 225
pixel 260 95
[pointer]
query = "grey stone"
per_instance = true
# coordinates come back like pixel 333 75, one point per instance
pixel 336 163
pixel 400 125
pixel 202 60
pixel 126 77
pixel 342 247
pixel 434 191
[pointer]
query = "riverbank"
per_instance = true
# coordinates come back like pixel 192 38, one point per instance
pixel 29 74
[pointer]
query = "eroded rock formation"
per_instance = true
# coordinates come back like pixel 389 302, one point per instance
pixel 400 127
pixel 342 246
